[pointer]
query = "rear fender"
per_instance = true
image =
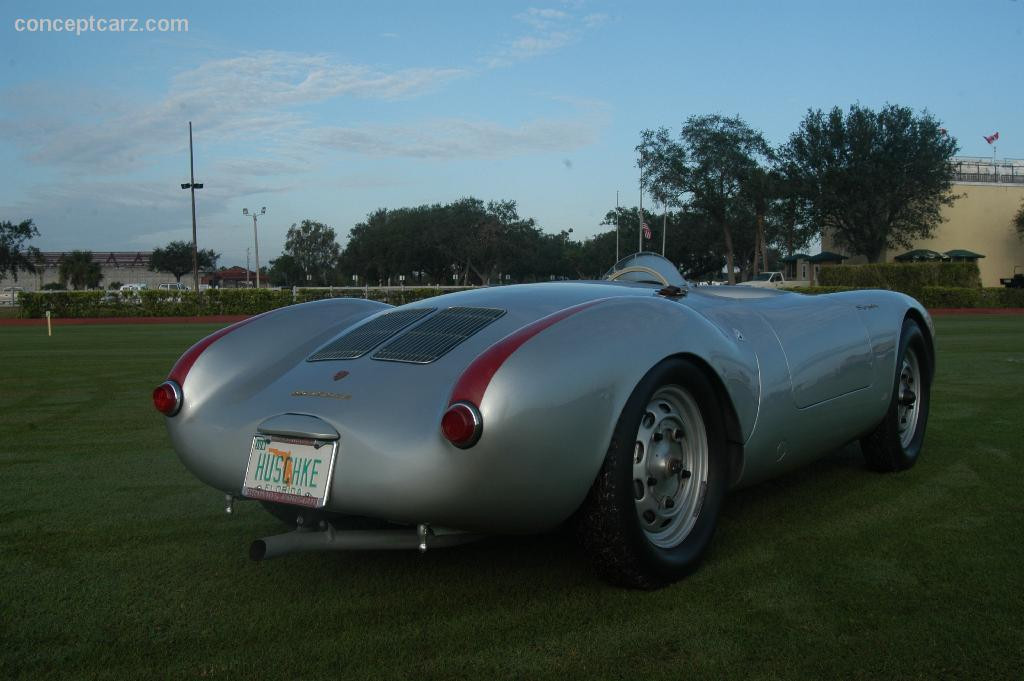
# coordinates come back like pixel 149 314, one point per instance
pixel 251 357
pixel 552 406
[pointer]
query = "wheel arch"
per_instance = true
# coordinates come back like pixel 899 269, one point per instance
pixel 926 331
pixel 733 432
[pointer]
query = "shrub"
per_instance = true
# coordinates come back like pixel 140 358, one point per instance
pixel 950 296
pixel 159 303
pixel 944 296
pixel 909 278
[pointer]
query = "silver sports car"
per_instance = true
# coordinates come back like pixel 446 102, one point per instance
pixel 628 406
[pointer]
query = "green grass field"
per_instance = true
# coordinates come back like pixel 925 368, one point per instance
pixel 116 563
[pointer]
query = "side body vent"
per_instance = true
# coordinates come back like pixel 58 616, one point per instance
pixel 362 339
pixel 439 334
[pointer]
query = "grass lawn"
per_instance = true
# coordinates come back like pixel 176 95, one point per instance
pixel 116 563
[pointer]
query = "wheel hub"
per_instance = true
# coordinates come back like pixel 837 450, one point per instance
pixel 907 407
pixel 670 466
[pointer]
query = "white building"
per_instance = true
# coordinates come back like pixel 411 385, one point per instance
pixel 127 267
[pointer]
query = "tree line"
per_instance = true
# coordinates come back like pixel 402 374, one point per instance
pixel 874 180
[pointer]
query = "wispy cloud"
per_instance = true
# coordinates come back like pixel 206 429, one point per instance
pixel 550 29
pixel 228 98
pixel 457 138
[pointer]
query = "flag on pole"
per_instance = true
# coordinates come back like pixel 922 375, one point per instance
pixel 647 231
pixel 991 138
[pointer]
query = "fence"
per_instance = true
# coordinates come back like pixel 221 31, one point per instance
pixel 1006 171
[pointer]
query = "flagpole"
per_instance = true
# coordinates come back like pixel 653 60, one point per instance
pixel 640 235
pixel 664 226
pixel 616 225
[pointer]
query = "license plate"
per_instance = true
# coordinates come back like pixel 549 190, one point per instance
pixel 289 470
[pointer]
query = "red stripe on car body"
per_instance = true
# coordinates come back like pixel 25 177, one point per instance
pixel 184 364
pixel 474 380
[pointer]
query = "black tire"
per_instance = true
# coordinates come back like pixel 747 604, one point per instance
pixel 889 447
pixel 609 523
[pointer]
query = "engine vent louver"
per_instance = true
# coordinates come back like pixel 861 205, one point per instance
pixel 362 339
pixel 439 334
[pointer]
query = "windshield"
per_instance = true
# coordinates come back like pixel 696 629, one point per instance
pixel 646 268
pixel 764 276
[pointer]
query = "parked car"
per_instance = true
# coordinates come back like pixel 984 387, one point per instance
pixel 766 280
pixel 631 405
pixel 134 287
pixel 9 295
pixel 175 286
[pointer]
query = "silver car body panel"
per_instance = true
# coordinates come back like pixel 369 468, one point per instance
pixel 802 375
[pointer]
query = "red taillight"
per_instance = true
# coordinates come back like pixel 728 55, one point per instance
pixel 461 424
pixel 167 398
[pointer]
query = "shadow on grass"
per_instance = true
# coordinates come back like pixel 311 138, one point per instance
pixel 554 560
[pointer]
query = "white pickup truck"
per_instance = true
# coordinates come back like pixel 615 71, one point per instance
pixel 767 280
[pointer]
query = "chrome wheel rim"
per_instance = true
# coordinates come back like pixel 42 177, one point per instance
pixel 670 466
pixel 908 406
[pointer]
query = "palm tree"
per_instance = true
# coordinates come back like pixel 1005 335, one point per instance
pixel 78 269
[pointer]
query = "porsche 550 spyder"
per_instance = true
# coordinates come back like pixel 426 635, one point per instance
pixel 630 406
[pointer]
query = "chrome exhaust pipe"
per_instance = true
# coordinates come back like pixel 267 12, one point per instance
pixel 329 539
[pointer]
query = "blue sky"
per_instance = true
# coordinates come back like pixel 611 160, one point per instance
pixel 331 110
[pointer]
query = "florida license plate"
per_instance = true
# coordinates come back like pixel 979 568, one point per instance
pixel 289 470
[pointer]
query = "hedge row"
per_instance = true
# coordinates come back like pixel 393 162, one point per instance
pixel 69 304
pixel 945 296
pixel 909 278
pixel 950 296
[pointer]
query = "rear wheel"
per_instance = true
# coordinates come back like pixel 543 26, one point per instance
pixel 653 508
pixel 895 443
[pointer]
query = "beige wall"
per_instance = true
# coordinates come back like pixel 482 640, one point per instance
pixel 979 221
pixel 125 275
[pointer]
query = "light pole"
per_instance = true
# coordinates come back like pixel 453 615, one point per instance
pixel 192 185
pixel 256 238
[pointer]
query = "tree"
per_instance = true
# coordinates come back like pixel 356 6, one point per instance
pixel 794 229
pixel 285 272
pixel 176 258
pixel 1018 221
pixel 760 190
pixel 78 269
pixel 467 240
pixel 875 180
pixel 15 255
pixel 705 170
pixel 314 249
